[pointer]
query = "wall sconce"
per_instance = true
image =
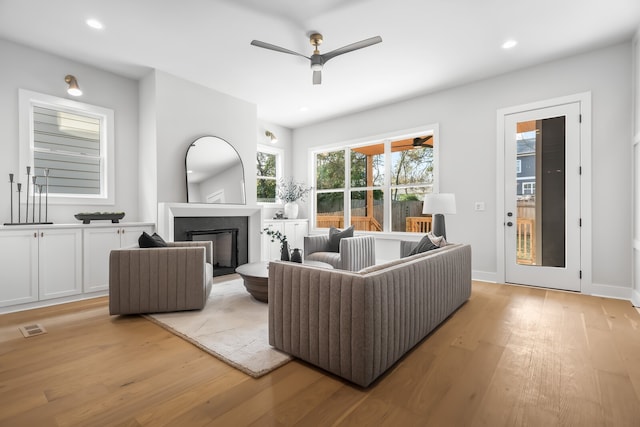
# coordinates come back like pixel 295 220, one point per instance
pixel 74 89
pixel 272 136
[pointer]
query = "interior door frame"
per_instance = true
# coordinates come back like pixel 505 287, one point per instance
pixel 584 100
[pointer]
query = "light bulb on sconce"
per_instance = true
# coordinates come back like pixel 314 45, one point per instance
pixel 272 136
pixel 74 89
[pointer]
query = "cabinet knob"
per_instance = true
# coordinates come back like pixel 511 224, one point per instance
pixel 35 234
pixel 118 231
pixel 42 234
pixel 123 231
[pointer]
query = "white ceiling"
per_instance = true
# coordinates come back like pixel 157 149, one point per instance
pixel 427 45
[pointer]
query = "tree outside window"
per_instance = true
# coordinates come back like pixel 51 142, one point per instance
pixel 268 170
pixel 401 171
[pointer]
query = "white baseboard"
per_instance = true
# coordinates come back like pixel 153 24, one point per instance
pixel 484 276
pixel 608 291
pixel 50 302
pixel 635 297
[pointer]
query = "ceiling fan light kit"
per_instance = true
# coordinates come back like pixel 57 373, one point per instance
pixel 317 59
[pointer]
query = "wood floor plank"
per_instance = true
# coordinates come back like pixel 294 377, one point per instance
pixel 512 355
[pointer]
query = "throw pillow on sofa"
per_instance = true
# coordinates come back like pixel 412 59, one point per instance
pixel 428 243
pixel 335 235
pixel 147 241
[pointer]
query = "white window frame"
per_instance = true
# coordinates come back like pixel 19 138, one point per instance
pixel 279 153
pixel 528 188
pixel 518 166
pixel 29 99
pixel 387 138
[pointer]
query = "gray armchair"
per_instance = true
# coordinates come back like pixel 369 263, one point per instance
pixel 155 280
pixel 355 253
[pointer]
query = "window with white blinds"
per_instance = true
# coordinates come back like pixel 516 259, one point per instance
pixel 72 143
pixel 68 145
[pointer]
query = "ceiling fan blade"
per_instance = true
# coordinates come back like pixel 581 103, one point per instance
pixel 270 46
pixel 351 47
pixel 317 77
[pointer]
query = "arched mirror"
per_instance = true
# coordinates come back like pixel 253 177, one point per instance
pixel 214 172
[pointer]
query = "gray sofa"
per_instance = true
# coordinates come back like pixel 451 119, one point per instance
pixel 178 277
pixel 358 324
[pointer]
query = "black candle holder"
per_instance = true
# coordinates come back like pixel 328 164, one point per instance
pixel 37 188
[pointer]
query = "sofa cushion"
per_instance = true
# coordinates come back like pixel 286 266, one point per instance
pixel 335 235
pixel 428 243
pixel 332 258
pixel 154 241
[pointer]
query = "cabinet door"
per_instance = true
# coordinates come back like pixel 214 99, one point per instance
pixel 295 231
pixel 129 235
pixel 18 267
pixel 271 250
pixel 98 243
pixel 60 262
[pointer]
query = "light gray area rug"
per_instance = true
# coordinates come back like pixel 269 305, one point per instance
pixel 233 327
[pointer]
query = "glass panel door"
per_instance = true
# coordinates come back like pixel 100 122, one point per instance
pixel 542 197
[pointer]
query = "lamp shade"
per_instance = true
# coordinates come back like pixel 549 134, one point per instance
pixel 441 203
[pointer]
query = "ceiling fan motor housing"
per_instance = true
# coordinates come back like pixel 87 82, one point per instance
pixel 316 62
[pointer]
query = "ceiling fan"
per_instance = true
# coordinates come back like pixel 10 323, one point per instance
pixel 318 59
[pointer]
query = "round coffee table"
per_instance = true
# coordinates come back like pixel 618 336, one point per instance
pixel 256 277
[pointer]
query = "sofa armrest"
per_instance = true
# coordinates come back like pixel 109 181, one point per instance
pixel 319 243
pixel 357 252
pixel 157 279
pixel 207 244
pixel 318 315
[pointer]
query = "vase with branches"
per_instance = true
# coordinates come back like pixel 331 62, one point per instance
pixel 282 238
pixel 290 191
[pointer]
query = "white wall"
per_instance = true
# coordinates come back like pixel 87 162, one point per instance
pixel 147 149
pixel 27 68
pixel 636 171
pixel 180 112
pixel 467 119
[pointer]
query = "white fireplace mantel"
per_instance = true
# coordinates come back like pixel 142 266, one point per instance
pixel 167 212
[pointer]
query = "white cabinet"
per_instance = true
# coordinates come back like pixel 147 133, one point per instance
pixel 40 264
pixel 18 267
pixel 295 230
pixel 98 243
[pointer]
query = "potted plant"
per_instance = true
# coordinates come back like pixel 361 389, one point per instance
pixel 290 191
pixel 284 245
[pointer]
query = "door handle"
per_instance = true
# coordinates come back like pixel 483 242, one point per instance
pixel 509 224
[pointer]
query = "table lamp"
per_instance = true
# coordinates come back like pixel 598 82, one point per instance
pixel 437 205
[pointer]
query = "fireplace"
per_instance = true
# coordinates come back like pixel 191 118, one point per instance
pixel 201 216
pixel 229 236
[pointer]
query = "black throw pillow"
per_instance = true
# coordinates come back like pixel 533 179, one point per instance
pixel 335 235
pixel 147 241
pixel 425 244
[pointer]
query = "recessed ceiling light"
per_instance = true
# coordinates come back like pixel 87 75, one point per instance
pixel 509 44
pixel 94 23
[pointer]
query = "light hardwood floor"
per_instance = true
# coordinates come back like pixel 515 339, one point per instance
pixel 510 356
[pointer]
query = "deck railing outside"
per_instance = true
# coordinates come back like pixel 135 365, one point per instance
pixel 360 223
pixel 525 241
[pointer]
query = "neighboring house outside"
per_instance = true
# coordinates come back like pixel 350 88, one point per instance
pixel 526 166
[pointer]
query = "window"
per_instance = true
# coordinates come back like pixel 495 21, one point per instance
pixel 528 188
pixel 72 143
pixel 518 166
pixel 375 186
pixel 269 171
